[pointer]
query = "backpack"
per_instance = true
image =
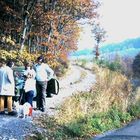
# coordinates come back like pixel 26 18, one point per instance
pixel 52 87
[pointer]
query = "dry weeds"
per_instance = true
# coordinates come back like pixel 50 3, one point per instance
pixel 111 89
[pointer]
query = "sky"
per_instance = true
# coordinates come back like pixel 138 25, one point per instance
pixel 121 20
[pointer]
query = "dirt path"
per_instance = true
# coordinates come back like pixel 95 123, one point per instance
pixel 77 79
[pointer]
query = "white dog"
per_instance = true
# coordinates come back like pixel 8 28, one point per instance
pixel 24 110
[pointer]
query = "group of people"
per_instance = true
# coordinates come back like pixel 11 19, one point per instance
pixel 36 78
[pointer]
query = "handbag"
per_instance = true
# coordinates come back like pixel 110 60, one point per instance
pixel 52 86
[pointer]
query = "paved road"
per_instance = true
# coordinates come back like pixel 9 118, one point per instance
pixel 129 132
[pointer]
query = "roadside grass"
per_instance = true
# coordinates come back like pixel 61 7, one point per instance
pixel 110 104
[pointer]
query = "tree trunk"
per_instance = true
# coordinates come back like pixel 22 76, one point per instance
pixel 97 51
pixel 24 34
pixel 27 14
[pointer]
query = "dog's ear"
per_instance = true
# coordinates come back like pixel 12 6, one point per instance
pixel 16 104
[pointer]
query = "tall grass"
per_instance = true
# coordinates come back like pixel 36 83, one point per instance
pixel 111 89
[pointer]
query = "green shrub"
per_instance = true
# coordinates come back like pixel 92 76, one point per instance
pixel 101 63
pixel 119 116
pixel 134 109
pixel 113 65
pixel 98 123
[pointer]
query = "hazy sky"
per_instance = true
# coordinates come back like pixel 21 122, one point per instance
pixel 121 20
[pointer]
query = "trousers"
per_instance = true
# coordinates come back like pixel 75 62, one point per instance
pixel 29 97
pixel 41 94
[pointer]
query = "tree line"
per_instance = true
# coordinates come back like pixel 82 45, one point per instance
pixel 47 27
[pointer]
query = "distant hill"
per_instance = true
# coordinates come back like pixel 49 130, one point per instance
pixel 82 52
pixel 127 48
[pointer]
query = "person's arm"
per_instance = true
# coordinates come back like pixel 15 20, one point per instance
pixel 34 67
pixel 49 71
pixel 10 76
pixel 34 73
pixel 25 75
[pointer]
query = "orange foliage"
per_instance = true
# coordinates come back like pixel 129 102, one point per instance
pixel 54 31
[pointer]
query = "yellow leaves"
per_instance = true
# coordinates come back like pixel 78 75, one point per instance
pixel 17 57
pixel 8 55
pixel 53 64
pixel 10 41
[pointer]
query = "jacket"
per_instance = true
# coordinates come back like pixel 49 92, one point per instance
pixel 7 83
pixel 43 72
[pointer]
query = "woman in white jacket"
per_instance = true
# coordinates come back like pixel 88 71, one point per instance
pixel 7 87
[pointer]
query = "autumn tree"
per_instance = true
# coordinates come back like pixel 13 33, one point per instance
pixel 99 35
pixel 45 26
pixel 60 29
pixel 14 16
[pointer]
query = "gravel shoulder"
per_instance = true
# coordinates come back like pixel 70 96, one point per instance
pixel 77 80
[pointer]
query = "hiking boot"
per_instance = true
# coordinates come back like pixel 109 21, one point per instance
pixel 12 113
pixel 2 112
pixel 38 108
pixel 49 95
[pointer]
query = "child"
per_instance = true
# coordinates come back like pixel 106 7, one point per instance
pixel 30 83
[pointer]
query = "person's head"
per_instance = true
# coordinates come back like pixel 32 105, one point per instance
pixel 2 62
pixel 28 65
pixel 10 63
pixel 40 59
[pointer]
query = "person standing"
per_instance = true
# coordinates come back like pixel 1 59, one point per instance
pixel 30 83
pixel 43 74
pixel 7 87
